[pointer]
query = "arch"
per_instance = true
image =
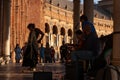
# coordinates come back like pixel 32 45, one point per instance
pixel 47 28
pixel 62 31
pixel 55 30
pixel 70 32
pixel 66 6
pixel 50 1
pixel 58 4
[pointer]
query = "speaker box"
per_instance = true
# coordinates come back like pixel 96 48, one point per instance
pixel 42 75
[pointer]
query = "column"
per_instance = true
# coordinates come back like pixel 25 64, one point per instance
pixel 76 20
pixel 89 9
pixel 116 36
pixel 1 22
pixel 6 30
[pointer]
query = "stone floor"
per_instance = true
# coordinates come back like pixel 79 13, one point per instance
pixel 14 71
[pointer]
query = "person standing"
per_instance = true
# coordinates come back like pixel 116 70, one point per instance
pixel 53 54
pixel 30 58
pixel 18 55
pixel 42 56
pixel 63 51
pixel 48 53
pixel 24 48
pixel 90 47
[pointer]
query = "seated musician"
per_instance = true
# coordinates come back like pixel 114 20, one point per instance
pixel 88 45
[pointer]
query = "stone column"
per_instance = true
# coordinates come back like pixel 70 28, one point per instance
pixel 6 30
pixel 89 9
pixel 1 22
pixel 76 20
pixel 116 36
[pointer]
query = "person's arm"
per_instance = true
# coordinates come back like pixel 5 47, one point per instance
pixel 42 35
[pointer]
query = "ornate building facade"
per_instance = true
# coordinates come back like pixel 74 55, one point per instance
pixel 58 15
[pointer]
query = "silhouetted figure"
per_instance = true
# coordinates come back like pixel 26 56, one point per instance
pixel 48 53
pixel 42 54
pixel 63 51
pixel 30 58
pixel 53 54
pixel 105 56
pixel 24 48
pixel 18 53
pixel 90 47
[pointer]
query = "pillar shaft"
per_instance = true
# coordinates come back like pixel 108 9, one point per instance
pixel 116 36
pixel 88 9
pixel 6 29
pixel 76 20
pixel 1 28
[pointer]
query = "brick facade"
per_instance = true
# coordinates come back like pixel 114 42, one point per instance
pixel 24 12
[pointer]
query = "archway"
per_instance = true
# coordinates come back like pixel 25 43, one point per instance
pixel 70 36
pixel 47 31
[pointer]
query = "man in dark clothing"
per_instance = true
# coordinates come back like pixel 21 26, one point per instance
pixel 63 51
pixel 30 58
pixel 90 47
pixel 91 42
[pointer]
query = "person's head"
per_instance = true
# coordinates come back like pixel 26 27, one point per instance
pixel 63 42
pixel 52 47
pixel 83 18
pixel 25 44
pixel 31 26
pixel 17 45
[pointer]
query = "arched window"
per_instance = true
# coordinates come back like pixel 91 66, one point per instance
pixel 47 28
pixel 70 32
pixel 55 30
pixel 62 32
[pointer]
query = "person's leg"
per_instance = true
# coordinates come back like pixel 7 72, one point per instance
pixel 33 67
pixel 50 59
pixel 62 58
pixel 73 56
pixel 85 55
pixel 42 60
pixel 18 60
pixel 54 59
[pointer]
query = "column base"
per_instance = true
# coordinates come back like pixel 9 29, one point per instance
pixel 4 60
pixel 7 59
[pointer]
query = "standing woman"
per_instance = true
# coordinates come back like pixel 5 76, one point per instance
pixel 17 53
pixel 30 58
